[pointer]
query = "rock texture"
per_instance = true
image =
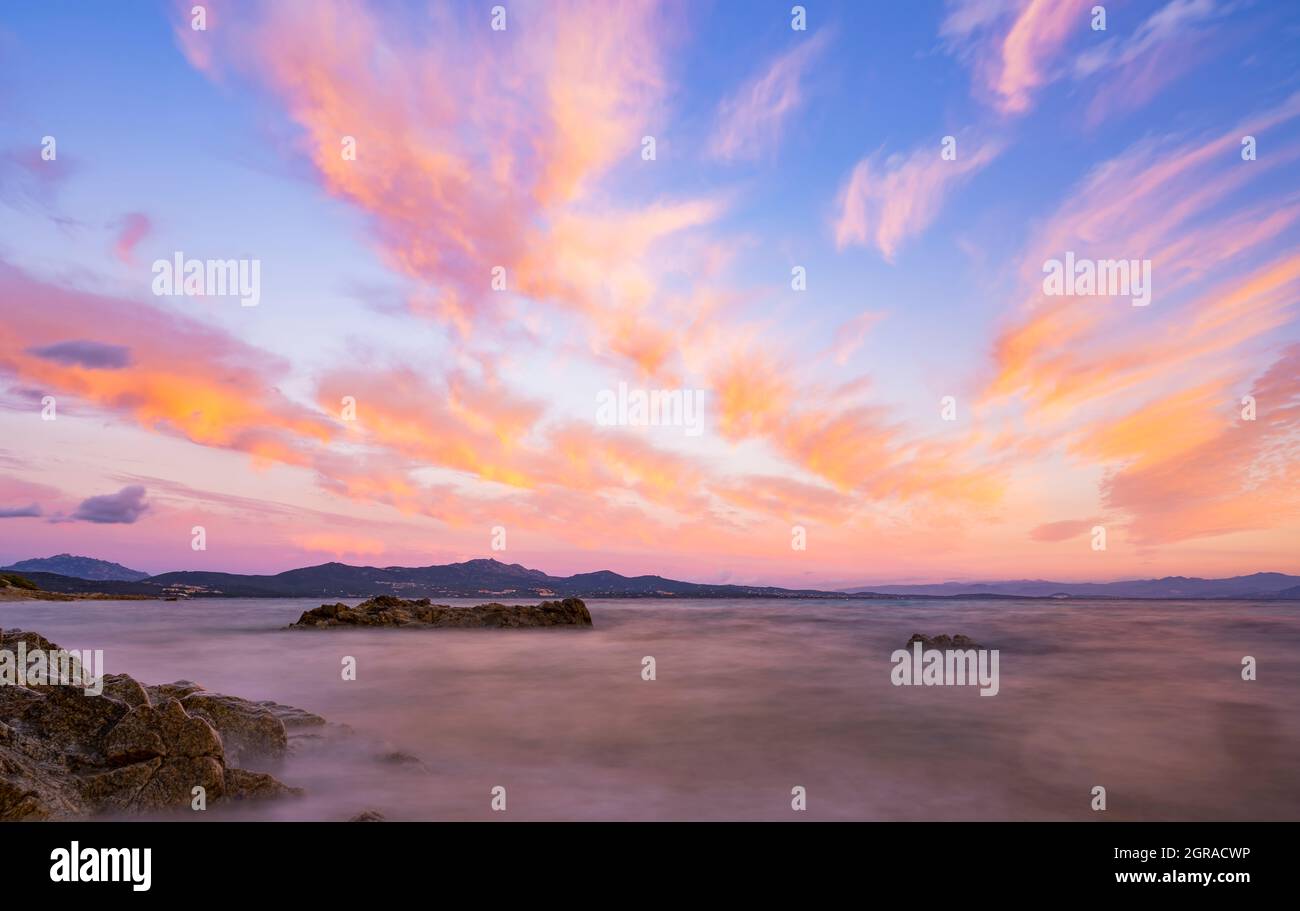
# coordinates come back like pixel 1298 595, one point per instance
pixel 133 748
pixel 943 642
pixel 387 610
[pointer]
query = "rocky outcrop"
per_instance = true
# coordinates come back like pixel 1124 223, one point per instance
pixel 387 610
pixel 132 749
pixel 943 642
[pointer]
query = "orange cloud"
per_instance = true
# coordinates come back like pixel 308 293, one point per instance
pixel 1221 474
pixel 1148 395
pixel 500 171
pixel 186 379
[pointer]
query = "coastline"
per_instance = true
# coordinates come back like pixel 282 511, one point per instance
pixel 9 594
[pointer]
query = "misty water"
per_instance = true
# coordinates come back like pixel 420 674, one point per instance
pixel 752 698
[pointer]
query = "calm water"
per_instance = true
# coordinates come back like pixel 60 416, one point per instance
pixel 752 698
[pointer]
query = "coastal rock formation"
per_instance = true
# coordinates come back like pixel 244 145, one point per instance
pixel 387 610
pixel 943 642
pixel 65 753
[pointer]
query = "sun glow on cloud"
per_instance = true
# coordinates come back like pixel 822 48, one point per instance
pixel 499 180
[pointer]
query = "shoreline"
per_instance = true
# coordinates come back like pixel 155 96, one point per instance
pixel 11 595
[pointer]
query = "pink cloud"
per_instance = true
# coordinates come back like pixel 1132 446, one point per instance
pixel 752 120
pixel 850 336
pixel 886 201
pixel 1034 39
pixel 132 228
pixel 1018 47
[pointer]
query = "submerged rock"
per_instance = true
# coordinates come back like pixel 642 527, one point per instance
pixel 943 642
pixel 369 816
pixel 64 753
pixel 387 610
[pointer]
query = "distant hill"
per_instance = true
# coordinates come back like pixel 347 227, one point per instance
pixel 471 579
pixel 1258 585
pixel 493 580
pixel 79 568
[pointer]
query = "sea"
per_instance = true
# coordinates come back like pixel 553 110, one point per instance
pixel 759 709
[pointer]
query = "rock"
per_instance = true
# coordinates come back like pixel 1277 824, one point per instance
pixel 399 758
pixel 125 689
pixel 248 730
pixel 387 610
pixel 133 748
pixel 133 740
pixel 943 642
pixel 166 730
pixel 114 790
pixel 292 718
pixel 172 783
pixel 157 755
pixel 242 784
pixel 32 787
pixel 369 816
pixel 70 719
pixel 178 690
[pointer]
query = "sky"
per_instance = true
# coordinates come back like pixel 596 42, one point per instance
pixel 829 224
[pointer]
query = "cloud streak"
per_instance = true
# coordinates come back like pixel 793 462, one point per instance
pixel 88 354
pixel 752 121
pixel 20 512
pixel 121 508
pixel 889 200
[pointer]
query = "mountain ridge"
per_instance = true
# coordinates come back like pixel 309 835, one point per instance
pixel 78 568
pixel 490 577
pixel 1261 584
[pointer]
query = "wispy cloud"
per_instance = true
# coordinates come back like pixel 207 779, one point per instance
pixel 1129 71
pixel 1028 49
pixel 1163 25
pixel 888 200
pixel 460 181
pixel 850 336
pixel 1153 396
pixel 131 229
pixel 752 121
pixel 1016 48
